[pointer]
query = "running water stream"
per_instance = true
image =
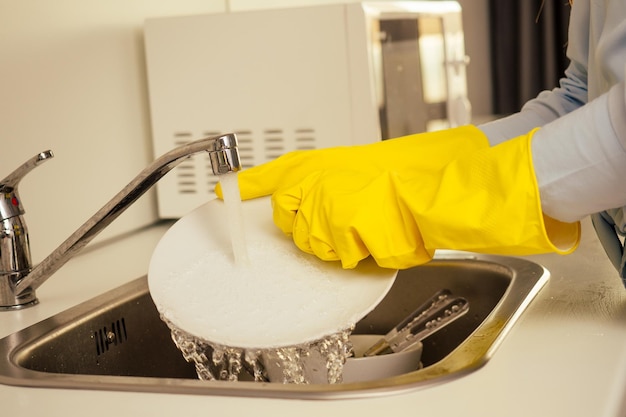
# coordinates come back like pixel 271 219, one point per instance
pixel 232 201
pixel 320 361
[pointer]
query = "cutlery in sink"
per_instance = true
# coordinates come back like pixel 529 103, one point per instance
pixel 437 312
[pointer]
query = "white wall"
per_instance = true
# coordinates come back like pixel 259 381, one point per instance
pixel 72 79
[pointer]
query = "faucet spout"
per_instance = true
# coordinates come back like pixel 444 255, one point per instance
pixel 224 156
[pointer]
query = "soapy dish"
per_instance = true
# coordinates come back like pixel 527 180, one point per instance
pixel 282 297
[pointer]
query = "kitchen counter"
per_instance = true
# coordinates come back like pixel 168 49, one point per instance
pixel 566 356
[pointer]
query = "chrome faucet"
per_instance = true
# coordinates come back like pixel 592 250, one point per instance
pixel 19 279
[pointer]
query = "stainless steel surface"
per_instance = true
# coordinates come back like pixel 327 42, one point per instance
pixel 224 155
pixel 427 324
pixel 117 342
pixel 15 257
pixel 419 314
pixel 441 317
pixel 18 280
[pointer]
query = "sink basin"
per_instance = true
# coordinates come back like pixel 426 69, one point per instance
pixel 117 341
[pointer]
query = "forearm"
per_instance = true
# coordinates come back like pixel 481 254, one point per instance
pixel 547 107
pixel 513 126
pixel 580 159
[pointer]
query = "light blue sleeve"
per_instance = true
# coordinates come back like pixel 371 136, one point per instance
pixel 548 106
pixel 579 154
pixel 580 158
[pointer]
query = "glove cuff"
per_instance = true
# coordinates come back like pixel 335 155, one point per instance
pixel 489 202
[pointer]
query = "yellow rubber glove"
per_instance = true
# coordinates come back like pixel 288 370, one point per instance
pixel 428 150
pixel 486 201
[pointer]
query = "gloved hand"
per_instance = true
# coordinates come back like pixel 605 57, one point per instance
pixel 478 199
pixel 486 201
pixel 427 150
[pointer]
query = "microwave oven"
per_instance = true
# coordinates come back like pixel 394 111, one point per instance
pixel 299 78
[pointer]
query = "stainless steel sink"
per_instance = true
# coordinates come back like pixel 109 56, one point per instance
pixel 116 341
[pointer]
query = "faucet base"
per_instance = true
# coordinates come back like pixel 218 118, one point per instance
pixel 9 301
pixel 30 303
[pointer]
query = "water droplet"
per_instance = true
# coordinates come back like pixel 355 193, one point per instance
pixel 321 361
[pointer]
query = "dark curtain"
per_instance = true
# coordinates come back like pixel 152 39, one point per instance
pixel 528 42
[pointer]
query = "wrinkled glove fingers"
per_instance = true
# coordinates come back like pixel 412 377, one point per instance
pixel 308 219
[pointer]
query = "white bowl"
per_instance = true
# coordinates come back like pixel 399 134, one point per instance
pixel 369 368
pixel 357 368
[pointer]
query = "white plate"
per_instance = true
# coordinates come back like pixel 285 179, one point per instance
pixel 285 297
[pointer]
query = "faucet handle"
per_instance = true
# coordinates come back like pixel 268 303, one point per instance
pixel 15 260
pixel 10 205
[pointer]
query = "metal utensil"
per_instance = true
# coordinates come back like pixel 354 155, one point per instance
pixel 437 312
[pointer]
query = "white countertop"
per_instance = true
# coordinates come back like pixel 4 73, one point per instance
pixel 566 356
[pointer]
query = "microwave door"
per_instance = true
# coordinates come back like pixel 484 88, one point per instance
pixel 413 76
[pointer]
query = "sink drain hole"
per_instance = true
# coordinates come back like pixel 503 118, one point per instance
pixel 107 336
